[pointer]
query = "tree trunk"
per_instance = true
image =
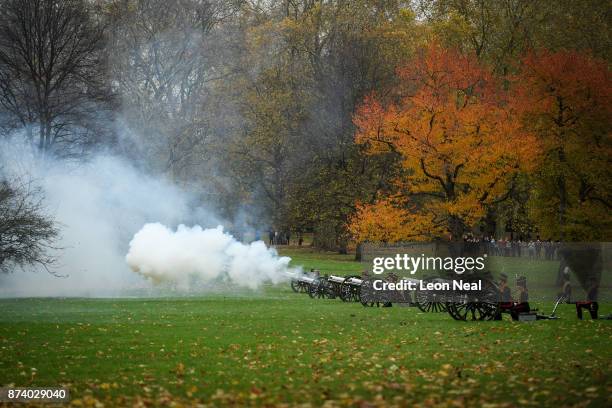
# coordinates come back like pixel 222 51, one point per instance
pixel 456 228
pixel 562 205
pixel 359 252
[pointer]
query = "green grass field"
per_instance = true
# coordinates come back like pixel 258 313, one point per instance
pixel 277 347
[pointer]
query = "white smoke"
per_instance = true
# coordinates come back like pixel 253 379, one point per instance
pixel 191 256
pixel 102 204
pixel 99 206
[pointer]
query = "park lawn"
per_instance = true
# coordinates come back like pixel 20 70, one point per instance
pixel 276 346
pixel 330 263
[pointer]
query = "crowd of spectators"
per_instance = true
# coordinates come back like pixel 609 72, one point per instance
pixel 528 248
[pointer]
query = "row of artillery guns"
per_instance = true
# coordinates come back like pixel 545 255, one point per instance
pixel 345 288
pixel 590 265
pixel 485 305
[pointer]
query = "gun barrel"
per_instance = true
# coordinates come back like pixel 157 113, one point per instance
pixel 336 279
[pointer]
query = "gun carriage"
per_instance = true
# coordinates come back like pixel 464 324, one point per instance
pixel 481 305
pixel 302 284
pixel 350 289
pixel 461 305
pixel 321 288
pixel 334 284
pixel 347 288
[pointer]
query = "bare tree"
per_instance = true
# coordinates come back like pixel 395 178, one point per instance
pixel 51 80
pixel 27 233
pixel 165 60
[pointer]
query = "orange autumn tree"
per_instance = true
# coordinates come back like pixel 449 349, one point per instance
pixel 564 99
pixel 459 147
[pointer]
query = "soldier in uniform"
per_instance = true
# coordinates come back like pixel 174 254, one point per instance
pixel 505 296
pixel 504 289
pixel 591 303
pixel 523 304
pixel 566 286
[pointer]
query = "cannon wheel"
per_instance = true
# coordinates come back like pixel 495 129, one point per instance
pixel 424 301
pixel 484 308
pixel 296 286
pixel 349 293
pixel 472 310
pixel 299 287
pixel 365 302
pixel 320 290
pixel 429 306
pixel 314 290
pixel 368 303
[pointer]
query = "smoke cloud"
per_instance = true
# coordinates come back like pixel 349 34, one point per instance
pixel 100 204
pixel 193 256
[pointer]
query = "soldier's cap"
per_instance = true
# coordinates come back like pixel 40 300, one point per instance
pixel 521 280
pixel 503 276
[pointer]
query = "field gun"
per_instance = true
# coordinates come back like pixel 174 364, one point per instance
pixel 301 283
